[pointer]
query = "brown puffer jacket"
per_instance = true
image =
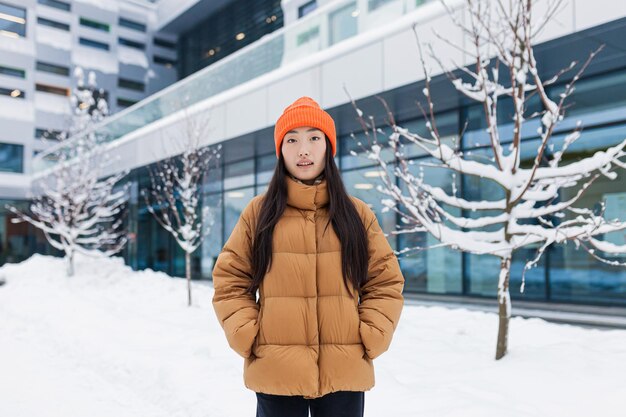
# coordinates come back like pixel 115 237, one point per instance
pixel 306 335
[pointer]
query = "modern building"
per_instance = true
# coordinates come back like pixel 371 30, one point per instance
pixel 242 62
pixel 41 43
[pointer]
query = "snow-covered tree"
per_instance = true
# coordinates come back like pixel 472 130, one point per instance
pixel 174 198
pixel 530 211
pixel 77 210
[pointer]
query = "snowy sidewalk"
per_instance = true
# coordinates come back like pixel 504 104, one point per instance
pixel 113 342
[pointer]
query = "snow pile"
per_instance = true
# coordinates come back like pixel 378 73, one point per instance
pixel 115 342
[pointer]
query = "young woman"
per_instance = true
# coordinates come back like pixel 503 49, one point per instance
pixel 330 287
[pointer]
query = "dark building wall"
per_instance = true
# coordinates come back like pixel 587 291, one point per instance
pixel 216 36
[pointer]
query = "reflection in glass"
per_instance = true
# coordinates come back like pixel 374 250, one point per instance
pixel 436 270
pixel 234 203
pixel 361 184
pixel 212 245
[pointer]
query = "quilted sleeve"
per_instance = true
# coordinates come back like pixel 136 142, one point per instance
pixel 236 310
pixel 381 300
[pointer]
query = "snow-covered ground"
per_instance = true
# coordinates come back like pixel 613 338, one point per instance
pixel 113 342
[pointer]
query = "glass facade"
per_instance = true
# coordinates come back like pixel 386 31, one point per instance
pixel 564 274
pixel 238 24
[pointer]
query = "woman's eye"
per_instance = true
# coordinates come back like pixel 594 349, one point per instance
pixel 315 138
pixel 291 140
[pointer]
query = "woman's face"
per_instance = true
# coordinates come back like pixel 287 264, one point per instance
pixel 304 152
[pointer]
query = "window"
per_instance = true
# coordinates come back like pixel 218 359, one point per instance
pixel 11 92
pixel 13 72
pixel 52 89
pixel 93 44
pixel 239 174
pixel 11 157
pixel 12 21
pixel 307 35
pixel 375 4
pixel 94 25
pixel 48 134
pixel 164 61
pixel 56 4
pixel 307 8
pixel 52 68
pixel 164 44
pixel 53 24
pixel 342 23
pixel 131 24
pixel 131 85
pixel 123 102
pixel 132 44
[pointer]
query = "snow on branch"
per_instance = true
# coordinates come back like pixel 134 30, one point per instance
pixel 527 210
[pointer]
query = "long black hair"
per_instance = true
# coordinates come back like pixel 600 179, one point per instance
pixel 342 215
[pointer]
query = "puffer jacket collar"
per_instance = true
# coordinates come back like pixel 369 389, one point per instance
pixel 306 197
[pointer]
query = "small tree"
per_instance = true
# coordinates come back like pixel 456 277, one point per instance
pixel 76 209
pixel 176 182
pixel 531 212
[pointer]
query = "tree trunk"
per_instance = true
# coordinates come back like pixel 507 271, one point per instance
pixel 188 273
pixel 69 258
pixel 504 307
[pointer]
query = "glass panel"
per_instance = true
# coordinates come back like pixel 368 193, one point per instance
pixel 482 273
pixel 123 102
pixel 574 274
pixel 12 92
pixel 265 168
pixel 307 8
pixel 56 4
pixel 360 144
pixel 94 24
pixel 52 68
pixel 132 44
pixel 11 157
pixel 18 241
pixel 52 89
pixel 361 184
pixel 164 61
pixel 164 44
pixel 131 24
pixel 234 203
pixel 53 24
pixel 12 20
pixel 131 85
pixel 375 4
pixel 13 72
pixel 595 100
pixel 93 44
pixel 239 174
pixel 343 23
pixel 212 245
pixel 475 133
pixel 447 125
pixel 433 270
pixel 213 177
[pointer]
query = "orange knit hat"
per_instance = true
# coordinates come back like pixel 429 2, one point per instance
pixel 304 112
